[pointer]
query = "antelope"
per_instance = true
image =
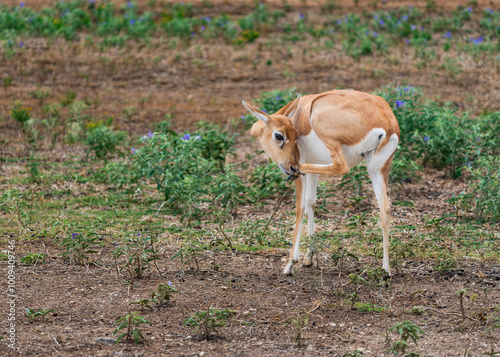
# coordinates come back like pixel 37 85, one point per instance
pixel 329 133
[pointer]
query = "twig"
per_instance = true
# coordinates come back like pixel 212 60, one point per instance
pixel 275 210
pixel 451 314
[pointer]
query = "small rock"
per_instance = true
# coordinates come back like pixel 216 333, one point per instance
pixel 106 340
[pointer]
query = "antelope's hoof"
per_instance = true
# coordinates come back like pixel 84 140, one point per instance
pixel 308 261
pixel 288 269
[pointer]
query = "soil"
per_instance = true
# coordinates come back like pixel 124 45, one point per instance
pixel 208 83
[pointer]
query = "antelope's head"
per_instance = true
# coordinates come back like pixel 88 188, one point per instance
pixel 278 137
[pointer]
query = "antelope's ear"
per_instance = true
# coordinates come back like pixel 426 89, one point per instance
pixel 290 108
pixel 256 112
pixel 257 129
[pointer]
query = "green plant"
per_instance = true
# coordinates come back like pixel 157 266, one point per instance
pixel 21 114
pixel 33 164
pixel 341 256
pixel 40 94
pixel 267 181
pixel 33 258
pixel 129 112
pixel 103 140
pixel 7 82
pixel 356 353
pixel 406 330
pixel 484 186
pixel 80 245
pixel 445 262
pixel 228 190
pixel 354 182
pixel 131 322
pixel 297 325
pixel 191 249
pixel 135 254
pixel 367 307
pixel 355 280
pixel 32 314
pixel 67 98
pixel 213 143
pixel 163 293
pixel 208 321
pixel 181 173
pixel 417 310
pixel 143 303
pixel 274 100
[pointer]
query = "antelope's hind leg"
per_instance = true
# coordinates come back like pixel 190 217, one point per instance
pixel 379 166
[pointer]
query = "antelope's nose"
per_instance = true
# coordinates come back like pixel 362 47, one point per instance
pixel 293 169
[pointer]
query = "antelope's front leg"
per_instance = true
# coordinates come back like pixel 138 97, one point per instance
pixel 309 203
pixel 299 210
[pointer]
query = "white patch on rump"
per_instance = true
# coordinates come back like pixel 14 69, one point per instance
pixel 354 154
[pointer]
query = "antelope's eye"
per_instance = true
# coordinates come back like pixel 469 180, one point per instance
pixel 279 137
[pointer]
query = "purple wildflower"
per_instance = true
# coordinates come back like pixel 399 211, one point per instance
pixel 375 34
pixel 404 17
pixel 21 44
pixel 413 27
pixel 129 4
pixel 202 28
pixel 21 4
pixel 193 34
pixel 381 22
pixel 426 139
pixel 447 34
pixel 278 98
pixel 338 22
pixel 400 104
pixel 242 118
pixel 477 41
pixel 469 9
pixel 74 235
pixel 134 151
pixel 207 19
pixel 169 283
pixel 197 137
pixel 132 22
pixel 301 16
pixel 186 137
